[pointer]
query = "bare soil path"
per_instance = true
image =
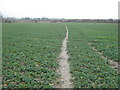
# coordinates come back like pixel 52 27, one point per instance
pixel 65 76
pixel 113 64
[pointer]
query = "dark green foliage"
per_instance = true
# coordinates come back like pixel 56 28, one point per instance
pixel 29 54
pixel 88 69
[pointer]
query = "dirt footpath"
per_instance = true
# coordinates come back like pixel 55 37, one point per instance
pixel 64 71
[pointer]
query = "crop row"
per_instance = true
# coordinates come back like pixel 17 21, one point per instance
pixel 104 36
pixel 88 69
pixel 29 54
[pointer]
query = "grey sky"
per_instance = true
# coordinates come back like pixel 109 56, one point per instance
pixel 82 9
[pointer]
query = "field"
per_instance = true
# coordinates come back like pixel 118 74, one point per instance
pixel 29 54
pixel 30 51
pixel 87 67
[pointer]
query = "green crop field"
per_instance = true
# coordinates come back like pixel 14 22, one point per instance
pixel 87 67
pixel 30 51
pixel 29 54
pixel 103 36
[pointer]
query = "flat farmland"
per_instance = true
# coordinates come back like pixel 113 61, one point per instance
pixel 29 54
pixel 88 69
pixel 31 51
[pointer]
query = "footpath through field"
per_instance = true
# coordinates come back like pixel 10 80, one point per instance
pixel 65 76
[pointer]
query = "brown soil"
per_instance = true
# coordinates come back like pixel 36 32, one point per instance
pixel 65 76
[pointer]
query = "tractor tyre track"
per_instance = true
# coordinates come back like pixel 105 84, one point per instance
pixel 112 63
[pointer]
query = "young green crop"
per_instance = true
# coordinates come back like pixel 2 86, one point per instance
pixel 88 69
pixel 30 51
pixel 104 36
pixel 29 54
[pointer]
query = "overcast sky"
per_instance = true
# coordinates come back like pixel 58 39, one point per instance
pixel 81 9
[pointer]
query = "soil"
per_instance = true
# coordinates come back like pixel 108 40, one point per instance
pixel 64 71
